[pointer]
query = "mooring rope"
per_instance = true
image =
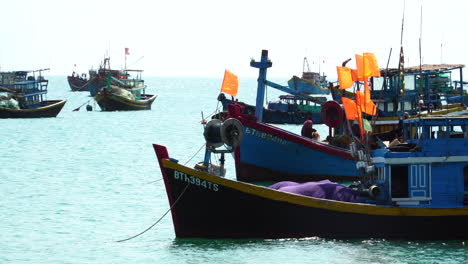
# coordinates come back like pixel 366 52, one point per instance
pixel 194 154
pixel 154 181
pixel 141 233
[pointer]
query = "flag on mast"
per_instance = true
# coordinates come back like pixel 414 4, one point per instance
pixel 127 51
pixel 230 83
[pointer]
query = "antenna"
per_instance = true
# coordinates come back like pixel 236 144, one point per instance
pixel 420 41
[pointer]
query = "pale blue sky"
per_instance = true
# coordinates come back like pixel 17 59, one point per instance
pixel 204 37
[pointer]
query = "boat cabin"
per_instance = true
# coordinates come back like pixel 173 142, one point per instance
pixel 429 170
pixel 427 86
pixel 292 103
pixel 28 89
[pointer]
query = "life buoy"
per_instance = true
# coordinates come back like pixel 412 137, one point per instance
pixel 332 114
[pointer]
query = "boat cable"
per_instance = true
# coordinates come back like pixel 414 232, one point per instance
pixel 217 110
pixel 154 181
pixel 194 154
pixel 159 220
pixel 78 109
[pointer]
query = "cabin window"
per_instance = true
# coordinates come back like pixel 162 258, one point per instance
pixel 399 181
pixel 458 131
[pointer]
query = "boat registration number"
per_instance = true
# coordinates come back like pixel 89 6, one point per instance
pixel 178 175
pixel 265 136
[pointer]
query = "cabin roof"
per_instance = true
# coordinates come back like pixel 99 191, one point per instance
pixel 423 68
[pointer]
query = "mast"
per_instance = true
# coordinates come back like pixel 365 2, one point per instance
pixel 401 66
pixel 263 65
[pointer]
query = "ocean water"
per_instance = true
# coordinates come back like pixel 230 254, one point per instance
pixel 71 186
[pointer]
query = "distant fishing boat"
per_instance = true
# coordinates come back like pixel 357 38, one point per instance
pixel 129 94
pixel 415 190
pixel 310 82
pixel 78 83
pixel 98 79
pixel 25 95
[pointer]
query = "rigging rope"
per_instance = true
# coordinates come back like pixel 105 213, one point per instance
pixel 194 154
pixel 178 198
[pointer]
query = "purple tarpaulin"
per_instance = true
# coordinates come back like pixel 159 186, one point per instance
pixel 322 189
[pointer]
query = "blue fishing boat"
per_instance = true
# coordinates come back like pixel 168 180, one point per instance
pixel 271 153
pixel 429 89
pixel 299 105
pixel 414 190
pixel 289 109
pixel 310 82
pixel 24 95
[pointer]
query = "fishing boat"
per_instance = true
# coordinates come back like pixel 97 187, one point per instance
pixel 415 190
pixel 129 94
pixel 98 79
pixel 310 82
pixel 289 109
pixel 298 105
pixel 24 95
pixel 425 90
pixel 271 153
pixel 78 83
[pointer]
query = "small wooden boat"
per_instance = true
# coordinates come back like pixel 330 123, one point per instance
pixel 25 94
pixel 417 194
pixel 118 98
pixel 115 101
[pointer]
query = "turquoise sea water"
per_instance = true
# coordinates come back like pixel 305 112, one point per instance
pixel 73 185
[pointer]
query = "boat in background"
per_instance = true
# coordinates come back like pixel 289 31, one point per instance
pixel 296 107
pixel 78 83
pixel 310 82
pixel 98 79
pixel 289 109
pixel 25 95
pixel 415 190
pixel 129 94
pixel 427 90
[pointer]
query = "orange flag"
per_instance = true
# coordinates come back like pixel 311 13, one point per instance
pixel 372 65
pixel 359 99
pixel 350 108
pixel 344 77
pixel 367 66
pixel 367 105
pixel 230 83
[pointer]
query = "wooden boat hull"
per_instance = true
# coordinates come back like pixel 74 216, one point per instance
pixel 78 84
pixel 207 206
pixel 49 108
pixel 112 102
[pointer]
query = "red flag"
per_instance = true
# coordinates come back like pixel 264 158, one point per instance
pixel 127 51
pixel 230 83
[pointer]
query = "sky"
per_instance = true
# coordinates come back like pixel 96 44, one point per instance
pixel 203 38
